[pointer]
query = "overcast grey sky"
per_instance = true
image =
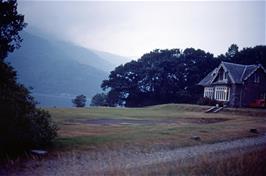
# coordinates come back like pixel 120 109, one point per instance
pixel 134 28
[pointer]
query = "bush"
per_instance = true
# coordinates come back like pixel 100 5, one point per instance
pixel 99 99
pixel 209 102
pixel 22 125
pixel 79 101
pixel 43 129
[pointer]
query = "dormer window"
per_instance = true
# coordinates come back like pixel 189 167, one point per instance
pixel 223 75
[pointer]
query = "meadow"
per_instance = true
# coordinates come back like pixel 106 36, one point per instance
pixel 151 128
pixel 170 139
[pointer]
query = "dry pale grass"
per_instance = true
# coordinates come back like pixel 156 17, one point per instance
pixel 232 163
pixel 169 126
pixel 244 162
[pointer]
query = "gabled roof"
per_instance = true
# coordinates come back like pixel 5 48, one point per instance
pixel 208 79
pixel 237 72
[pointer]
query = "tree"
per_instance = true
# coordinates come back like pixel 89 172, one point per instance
pixel 10 25
pixel 22 125
pixel 232 52
pixel 99 99
pixel 249 55
pixel 79 101
pixel 161 76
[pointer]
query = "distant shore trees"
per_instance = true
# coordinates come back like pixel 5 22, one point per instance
pixel 99 99
pixel 79 101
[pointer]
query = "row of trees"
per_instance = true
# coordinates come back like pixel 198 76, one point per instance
pixel 168 76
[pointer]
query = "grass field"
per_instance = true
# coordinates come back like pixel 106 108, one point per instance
pixel 120 141
pixel 150 128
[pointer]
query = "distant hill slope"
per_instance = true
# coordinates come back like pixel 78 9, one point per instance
pixel 116 59
pixel 58 71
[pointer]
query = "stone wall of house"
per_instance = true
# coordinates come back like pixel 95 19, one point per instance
pixel 235 95
pixel 254 90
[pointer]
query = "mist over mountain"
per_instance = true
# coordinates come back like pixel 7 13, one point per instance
pixel 115 59
pixel 58 71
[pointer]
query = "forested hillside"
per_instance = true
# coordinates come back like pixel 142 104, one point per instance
pixel 58 71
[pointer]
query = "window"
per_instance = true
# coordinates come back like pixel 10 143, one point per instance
pixel 208 92
pixel 223 75
pixel 222 93
pixel 256 78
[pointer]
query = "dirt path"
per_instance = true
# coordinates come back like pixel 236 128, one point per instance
pixel 98 163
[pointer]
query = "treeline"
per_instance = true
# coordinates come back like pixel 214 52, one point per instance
pixel 168 76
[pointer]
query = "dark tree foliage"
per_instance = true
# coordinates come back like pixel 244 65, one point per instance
pixel 10 24
pixel 99 99
pixel 255 55
pixel 161 76
pixel 232 52
pixel 170 76
pixel 79 101
pixel 22 125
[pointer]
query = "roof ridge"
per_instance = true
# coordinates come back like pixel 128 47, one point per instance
pixel 239 64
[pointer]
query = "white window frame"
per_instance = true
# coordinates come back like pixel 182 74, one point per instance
pixel 208 92
pixel 222 93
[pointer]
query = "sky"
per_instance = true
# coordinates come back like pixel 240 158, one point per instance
pixel 134 28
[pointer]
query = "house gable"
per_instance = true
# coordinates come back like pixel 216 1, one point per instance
pixel 257 76
pixel 222 75
pixel 255 71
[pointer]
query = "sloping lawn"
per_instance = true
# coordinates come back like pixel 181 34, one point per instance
pixel 150 128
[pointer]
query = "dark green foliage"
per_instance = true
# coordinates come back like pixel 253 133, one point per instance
pixel 232 52
pixel 209 102
pixel 99 99
pixel 79 101
pixel 22 125
pixel 10 24
pixel 161 76
pixel 255 55
pixel 43 128
pixel 170 76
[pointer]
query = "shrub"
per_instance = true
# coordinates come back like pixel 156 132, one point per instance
pixel 22 125
pixel 209 102
pixel 79 101
pixel 99 99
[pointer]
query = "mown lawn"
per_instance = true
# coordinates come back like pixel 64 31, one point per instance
pixel 150 128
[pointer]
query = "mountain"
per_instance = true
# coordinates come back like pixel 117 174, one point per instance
pixel 84 56
pixel 116 59
pixel 58 71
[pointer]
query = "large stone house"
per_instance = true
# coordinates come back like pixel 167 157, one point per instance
pixel 235 84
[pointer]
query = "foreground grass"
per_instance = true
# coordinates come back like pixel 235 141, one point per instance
pixel 99 135
pixel 165 126
pixel 232 163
